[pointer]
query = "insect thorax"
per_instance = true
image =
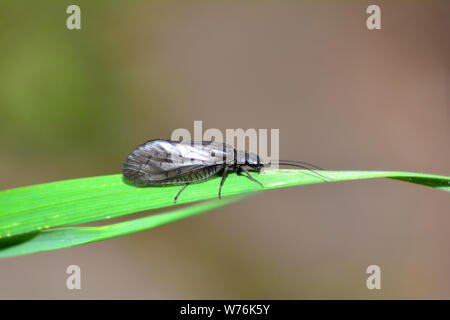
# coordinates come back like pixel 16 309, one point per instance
pixel 247 158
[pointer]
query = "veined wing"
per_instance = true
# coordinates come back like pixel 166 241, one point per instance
pixel 157 161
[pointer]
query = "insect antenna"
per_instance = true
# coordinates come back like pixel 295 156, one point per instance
pixel 303 165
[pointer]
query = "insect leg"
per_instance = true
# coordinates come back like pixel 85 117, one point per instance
pixel 224 175
pixel 250 176
pixel 182 188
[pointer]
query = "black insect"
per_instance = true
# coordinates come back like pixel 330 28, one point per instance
pixel 161 162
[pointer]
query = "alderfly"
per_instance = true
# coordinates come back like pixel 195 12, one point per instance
pixel 163 162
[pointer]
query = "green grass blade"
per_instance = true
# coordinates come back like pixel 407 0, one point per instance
pixel 59 238
pixel 34 208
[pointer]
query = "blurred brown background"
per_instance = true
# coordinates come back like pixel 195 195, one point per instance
pixel 75 103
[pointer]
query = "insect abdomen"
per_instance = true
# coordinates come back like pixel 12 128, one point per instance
pixel 195 176
pixel 142 178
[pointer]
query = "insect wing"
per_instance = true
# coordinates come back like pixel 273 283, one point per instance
pixel 161 160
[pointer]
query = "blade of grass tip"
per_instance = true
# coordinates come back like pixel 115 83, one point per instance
pixel 54 239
